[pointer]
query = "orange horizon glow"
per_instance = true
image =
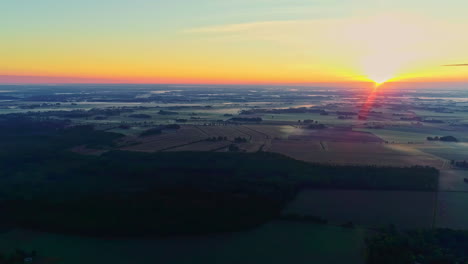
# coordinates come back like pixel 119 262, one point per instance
pixel 368 82
pixel 64 79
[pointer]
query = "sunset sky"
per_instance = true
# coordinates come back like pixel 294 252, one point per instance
pixel 233 41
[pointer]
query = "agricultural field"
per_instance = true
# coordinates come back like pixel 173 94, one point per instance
pixel 184 136
pixel 370 208
pixel 317 125
pixel 230 132
pixel 203 146
pixel 395 136
pixel 393 130
pixel 353 153
pixel 336 135
pixel 452 210
pixel 446 150
pixel 452 180
pixel 273 132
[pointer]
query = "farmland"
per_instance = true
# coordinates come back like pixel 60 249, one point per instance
pixel 308 152
pixel 393 132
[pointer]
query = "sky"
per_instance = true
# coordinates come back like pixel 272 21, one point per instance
pixel 227 41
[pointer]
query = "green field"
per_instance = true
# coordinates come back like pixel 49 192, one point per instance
pixel 273 243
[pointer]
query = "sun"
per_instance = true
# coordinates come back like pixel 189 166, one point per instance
pixel 379 82
pixel 380 73
pixel 378 79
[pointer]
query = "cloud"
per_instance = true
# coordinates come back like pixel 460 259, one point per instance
pixel 233 28
pixel 456 65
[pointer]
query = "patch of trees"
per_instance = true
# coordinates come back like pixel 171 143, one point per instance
pixel 181 120
pixel 448 139
pixel 444 139
pixel 140 116
pixel 29 106
pixel 316 126
pixel 390 246
pixel 165 112
pixel 309 121
pixel 35 106
pixel 247 119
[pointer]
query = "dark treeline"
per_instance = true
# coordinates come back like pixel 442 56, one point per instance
pixel 44 186
pixel 444 139
pixel 246 119
pixel 141 116
pixel 298 110
pixel 78 113
pixel 165 112
pixel 19 257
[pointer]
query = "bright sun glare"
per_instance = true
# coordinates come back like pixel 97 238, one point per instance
pixel 379 80
pixel 380 68
pixel 386 46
